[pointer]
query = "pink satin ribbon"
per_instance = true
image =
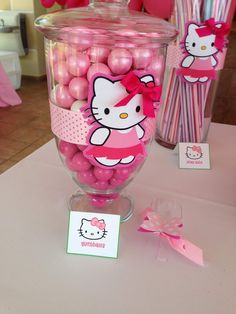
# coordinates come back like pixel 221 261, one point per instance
pixel 220 32
pixel 170 230
pixel 149 91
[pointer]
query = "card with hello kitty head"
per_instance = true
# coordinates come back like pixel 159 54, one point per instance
pixel 194 155
pixel 93 234
pixel 202 47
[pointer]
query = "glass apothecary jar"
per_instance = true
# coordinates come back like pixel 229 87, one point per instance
pixel 105 67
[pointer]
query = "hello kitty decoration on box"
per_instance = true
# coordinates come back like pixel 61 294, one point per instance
pixel 203 43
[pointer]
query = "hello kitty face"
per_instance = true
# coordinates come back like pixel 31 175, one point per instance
pixel 93 229
pixel 194 152
pixel 106 95
pixel 200 46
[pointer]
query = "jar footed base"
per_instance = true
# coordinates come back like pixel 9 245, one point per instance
pixel 115 204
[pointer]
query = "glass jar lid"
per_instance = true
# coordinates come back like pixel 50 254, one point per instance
pixel 105 22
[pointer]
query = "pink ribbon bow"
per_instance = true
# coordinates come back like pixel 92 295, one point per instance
pixel 211 28
pixel 135 86
pixel 96 223
pixel 169 228
pixel 197 149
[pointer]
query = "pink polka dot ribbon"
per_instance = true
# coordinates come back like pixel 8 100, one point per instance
pixel 68 125
pixel 72 127
pixel 169 228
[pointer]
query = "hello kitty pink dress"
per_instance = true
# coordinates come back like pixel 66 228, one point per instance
pixel 199 68
pixel 119 145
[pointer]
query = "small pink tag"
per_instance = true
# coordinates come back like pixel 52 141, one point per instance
pixel 187 249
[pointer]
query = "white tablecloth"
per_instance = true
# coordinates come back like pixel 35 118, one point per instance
pixel 37 276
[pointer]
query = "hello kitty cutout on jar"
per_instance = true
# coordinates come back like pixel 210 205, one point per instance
pixel 116 139
pixel 202 43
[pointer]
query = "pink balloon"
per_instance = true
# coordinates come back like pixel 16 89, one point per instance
pixel 61 74
pixel 136 5
pixel 78 64
pixel 161 9
pixel 47 3
pixel 78 88
pixel 97 68
pixel 61 2
pixel 120 61
pixel 76 3
pixel 63 97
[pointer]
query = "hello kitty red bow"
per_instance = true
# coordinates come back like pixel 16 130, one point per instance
pixel 96 223
pixel 211 28
pixel 197 149
pixel 135 86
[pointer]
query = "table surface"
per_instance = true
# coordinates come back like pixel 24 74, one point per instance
pixel 37 276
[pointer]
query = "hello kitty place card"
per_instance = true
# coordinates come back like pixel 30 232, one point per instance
pixel 194 156
pixel 93 234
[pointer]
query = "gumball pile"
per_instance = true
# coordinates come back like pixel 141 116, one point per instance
pixel 72 65
pixel 89 175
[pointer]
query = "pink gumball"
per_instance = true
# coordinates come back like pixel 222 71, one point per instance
pixel 82 147
pixel 86 177
pixel 122 173
pixel 100 185
pixel 80 163
pixel 80 36
pixel 156 66
pixel 78 88
pixel 97 68
pixel 115 182
pixel 120 61
pixel 70 50
pixel 61 74
pixel 142 57
pixel 103 174
pixel 98 54
pixel 56 55
pixel 78 64
pixel 63 97
pixel 67 149
pixel 124 44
